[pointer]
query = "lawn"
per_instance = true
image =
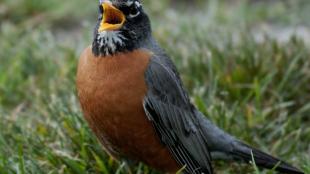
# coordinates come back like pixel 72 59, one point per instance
pixel 249 81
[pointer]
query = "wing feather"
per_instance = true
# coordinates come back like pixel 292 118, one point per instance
pixel 168 107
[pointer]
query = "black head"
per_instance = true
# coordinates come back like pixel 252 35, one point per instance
pixel 122 26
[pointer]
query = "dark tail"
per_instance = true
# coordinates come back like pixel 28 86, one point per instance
pixel 225 147
pixel 245 153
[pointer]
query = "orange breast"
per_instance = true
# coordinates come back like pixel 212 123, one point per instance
pixel 111 92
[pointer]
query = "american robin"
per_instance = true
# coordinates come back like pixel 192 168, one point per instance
pixel 134 100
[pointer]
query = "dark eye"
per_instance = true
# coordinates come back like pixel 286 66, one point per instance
pixel 134 11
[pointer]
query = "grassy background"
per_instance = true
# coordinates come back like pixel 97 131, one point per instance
pixel 246 80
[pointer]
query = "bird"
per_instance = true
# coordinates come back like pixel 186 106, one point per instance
pixel 134 101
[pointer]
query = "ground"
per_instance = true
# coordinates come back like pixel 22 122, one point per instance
pixel 239 60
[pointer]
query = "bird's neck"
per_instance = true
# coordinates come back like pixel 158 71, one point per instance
pixel 111 44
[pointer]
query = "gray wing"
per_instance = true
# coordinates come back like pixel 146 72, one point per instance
pixel 168 107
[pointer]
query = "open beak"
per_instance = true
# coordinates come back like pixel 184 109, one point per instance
pixel 113 18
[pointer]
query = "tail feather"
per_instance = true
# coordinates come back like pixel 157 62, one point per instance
pixel 225 147
pixel 261 159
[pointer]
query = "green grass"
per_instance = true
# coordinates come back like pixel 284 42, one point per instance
pixel 258 91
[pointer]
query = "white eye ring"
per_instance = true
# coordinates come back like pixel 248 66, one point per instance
pixel 134 15
pixel 129 3
pixel 137 4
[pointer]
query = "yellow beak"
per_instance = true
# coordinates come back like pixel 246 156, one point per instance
pixel 113 18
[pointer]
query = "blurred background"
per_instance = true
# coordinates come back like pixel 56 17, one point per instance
pixel 246 64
